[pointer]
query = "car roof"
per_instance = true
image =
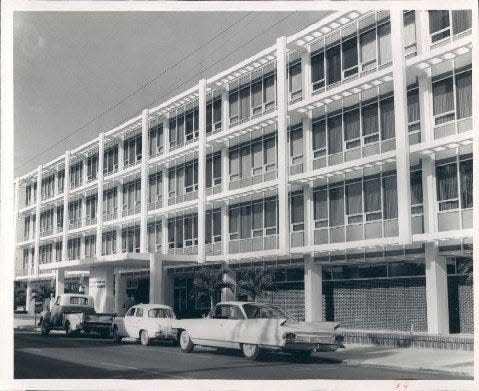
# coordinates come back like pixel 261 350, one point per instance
pixel 240 303
pixel 150 306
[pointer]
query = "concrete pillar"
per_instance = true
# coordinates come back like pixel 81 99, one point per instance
pixel 37 222
pixel 422 31
pixel 226 293
pixel 308 215
pixel 201 170
pixel 120 294
pixel 225 110
pixel 306 72
pixel 100 287
pixel 283 150
pixel 225 169
pixel 308 143
pixel 166 134
pixel 66 196
pixel 29 303
pixel 164 235
pixel 156 279
pixel 121 153
pixel 119 200
pixel 225 234
pixel 145 157
pixel 436 291
pixel 59 282
pixel 401 126
pixel 99 207
pixel 313 289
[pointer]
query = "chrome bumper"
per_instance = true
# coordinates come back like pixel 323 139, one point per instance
pixel 315 344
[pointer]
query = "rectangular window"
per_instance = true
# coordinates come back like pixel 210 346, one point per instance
pixel 336 206
pixel 446 182
pixel 354 202
pixel 465 174
pixel 416 188
pixel 321 208
pixel 258 219
pixel 439 25
pixel 335 134
pixel 372 199
pixel 370 122
pixel 384 43
pixel 296 212
pixel 386 108
pixel 244 97
pixel 257 96
pixel 461 21
pixel 110 160
pixel 367 42
pixel 464 94
pixel 234 222
pixel 317 70
pixel 270 216
pixel 443 100
pixel 390 197
pixel 333 64
pixel 352 129
pixel 269 91
pixel 295 80
pixel 350 57
pixel 319 138
pixel 409 18
pixel 296 145
pixel 269 147
pixel 413 113
pixel 246 221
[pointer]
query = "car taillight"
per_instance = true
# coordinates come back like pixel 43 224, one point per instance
pixel 289 335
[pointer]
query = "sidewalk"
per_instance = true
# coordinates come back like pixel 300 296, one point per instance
pixel 416 359
pixel 452 361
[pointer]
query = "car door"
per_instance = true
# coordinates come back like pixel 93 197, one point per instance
pixel 129 322
pixel 137 322
pixel 208 331
pixel 231 326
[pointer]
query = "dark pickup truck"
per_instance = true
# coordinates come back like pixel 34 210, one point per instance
pixel 75 313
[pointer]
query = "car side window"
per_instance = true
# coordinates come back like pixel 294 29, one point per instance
pixel 139 312
pixel 131 311
pixel 235 312
pixel 222 312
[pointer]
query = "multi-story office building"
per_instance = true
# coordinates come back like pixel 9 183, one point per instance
pixel 341 157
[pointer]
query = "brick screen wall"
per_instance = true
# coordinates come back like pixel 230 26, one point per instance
pixel 461 318
pixel 292 300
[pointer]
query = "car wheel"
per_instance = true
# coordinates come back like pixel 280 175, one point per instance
pixel 302 355
pixel 44 329
pixel 144 338
pixel 185 342
pixel 116 335
pixel 251 352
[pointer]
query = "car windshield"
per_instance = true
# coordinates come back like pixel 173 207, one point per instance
pixel 160 313
pixel 78 300
pixel 254 311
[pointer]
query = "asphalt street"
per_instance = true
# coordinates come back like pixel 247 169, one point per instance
pixel 89 357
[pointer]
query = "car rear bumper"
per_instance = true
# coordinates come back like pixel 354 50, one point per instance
pixel 316 344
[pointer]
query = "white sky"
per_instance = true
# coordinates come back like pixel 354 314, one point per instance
pixel 71 66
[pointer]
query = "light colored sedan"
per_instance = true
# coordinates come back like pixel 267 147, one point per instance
pixel 146 322
pixel 254 327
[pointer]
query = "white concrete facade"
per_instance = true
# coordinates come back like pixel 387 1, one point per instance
pixel 185 204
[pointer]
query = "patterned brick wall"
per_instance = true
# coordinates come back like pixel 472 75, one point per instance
pixel 292 300
pixel 388 304
pixel 461 318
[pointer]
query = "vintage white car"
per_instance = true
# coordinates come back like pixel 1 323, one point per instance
pixel 146 322
pixel 254 327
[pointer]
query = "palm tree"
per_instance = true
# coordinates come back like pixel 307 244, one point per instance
pixel 209 281
pixel 256 280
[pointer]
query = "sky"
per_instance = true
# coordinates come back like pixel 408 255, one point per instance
pixel 69 67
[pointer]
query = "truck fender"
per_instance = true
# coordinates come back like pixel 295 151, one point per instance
pixel 75 320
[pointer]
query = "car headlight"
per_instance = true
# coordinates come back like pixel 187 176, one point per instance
pixel 289 335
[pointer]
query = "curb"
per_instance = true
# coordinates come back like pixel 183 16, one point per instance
pixel 399 366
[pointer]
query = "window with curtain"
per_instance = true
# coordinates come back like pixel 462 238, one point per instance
pixel 386 108
pixel 461 21
pixel 354 202
pixel 269 153
pixel 244 102
pixel 439 24
pixel 372 199
pixel 234 164
pixel 245 161
pixel 269 90
pixel 367 43
pixel 257 157
pixel 234 222
pixel 297 211
pixel 257 95
pixel 336 206
pixel 335 134
pixel 321 208
pixel 443 100
pixel 295 80
pixel 180 129
pixel 352 128
pixel 464 94
pixel 465 173
pixel 350 56
pixel 413 113
pixel 270 216
pixel 384 43
pixel 319 138
pixel 416 187
pixel 409 18
pixel 446 182
pixel 370 122
pixel 246 221
pixel 258 219
pixel 234 105
pixel 333 64
pixel 317 70
pixel 390 197
pixel 296 143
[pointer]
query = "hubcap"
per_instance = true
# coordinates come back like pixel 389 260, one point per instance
pixel 249 349
pixel 184 339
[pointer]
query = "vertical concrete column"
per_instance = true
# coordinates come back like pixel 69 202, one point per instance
pixel 401 126
pixel 100 287
pixel 99 208
pixel 225 168
pixel 436 291
pixel 422 31
pixel 428 162
pixel 119 200
pixel 225 234
pixel 84 171
pixel 165 186
pixel 120 294
pixel 225 109
pixel 29 303
pixel 306 72
pixel 226 293
pixel 308 203
pixel 201 170
pixel 166 134
pixel 118 240
pixel 66 196
pixel 82 246
pixel 37 221
pixel 145 157
pixel 156 279
pixel 308 142
pixel 121 153
pixel 164 234
pixel 59 282
pixel 83 211
pixel 55 220
pixel 313 289
pixel 283 150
